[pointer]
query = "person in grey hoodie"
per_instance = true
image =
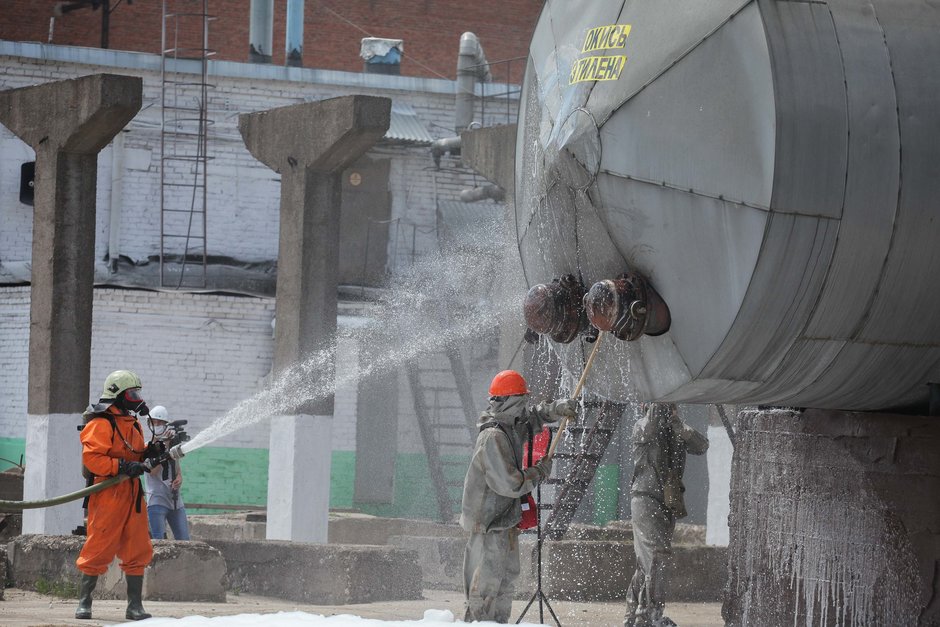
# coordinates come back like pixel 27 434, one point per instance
pixel 494 484
pixel 660 444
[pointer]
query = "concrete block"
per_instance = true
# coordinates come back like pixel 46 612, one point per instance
pixel 622 530
pixel 183 571
pixel 491 152
pixel 180 571
pixel 4 569
pixel 600 571
pixel 365 529
pixel 344 528
pixel 325 574
pixel 441 559
pixel 11 484
pixel 228 527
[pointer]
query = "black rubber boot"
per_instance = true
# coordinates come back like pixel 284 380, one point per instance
pixel 86 587
pixel 135 606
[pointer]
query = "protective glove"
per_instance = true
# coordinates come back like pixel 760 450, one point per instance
pixel 544 468
pixel 564 407
pixel 131 469
pixel 154 450
pixel 675 423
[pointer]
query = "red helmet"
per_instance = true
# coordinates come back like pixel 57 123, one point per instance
pixel 508 383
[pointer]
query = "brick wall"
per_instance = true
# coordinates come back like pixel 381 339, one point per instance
pixel 197 354
pixel 834 519
pixel 243 195
pixel 431 29
pixel 218 346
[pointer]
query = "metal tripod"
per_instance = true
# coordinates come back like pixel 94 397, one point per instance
pixel 538 594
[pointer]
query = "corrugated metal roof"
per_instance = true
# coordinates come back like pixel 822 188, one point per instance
pixel 406 127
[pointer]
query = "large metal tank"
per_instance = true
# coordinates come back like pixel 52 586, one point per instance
pixel 772 168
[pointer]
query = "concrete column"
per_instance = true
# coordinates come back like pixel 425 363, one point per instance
pixel 491 151
pixel 309 145
pixel 67 123
pixel 834 519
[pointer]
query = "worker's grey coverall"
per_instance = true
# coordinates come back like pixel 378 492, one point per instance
pixel 660 443
pixel 491 508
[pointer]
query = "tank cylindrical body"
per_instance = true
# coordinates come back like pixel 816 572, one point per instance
pixel 772 168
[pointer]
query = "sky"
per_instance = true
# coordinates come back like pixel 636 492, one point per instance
pixel 303 619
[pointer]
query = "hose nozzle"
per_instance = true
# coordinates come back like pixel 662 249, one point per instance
pixel 176 452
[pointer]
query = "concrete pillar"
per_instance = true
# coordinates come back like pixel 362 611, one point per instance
pixel 491 151
pixel 309 145
pixel 834 519
pixel 67 123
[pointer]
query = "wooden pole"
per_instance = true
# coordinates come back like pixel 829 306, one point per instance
pixel 577 393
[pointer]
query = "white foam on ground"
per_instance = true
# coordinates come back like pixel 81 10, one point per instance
pixel 303 619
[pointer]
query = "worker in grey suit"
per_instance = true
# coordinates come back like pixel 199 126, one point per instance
pixel 496 479
pixel 660 443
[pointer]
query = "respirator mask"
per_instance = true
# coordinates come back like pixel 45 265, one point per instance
pixel 131 401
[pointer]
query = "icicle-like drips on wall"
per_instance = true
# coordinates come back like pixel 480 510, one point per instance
pixel 817 544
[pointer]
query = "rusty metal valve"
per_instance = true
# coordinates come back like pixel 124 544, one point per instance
pixel 627 306
pixel 556 309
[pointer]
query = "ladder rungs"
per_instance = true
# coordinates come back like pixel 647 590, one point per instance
pixel 183 133
pixel 185 158
pixel 167 107
pixel 167 210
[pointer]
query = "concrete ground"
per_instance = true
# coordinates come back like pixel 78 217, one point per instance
pixel 20 608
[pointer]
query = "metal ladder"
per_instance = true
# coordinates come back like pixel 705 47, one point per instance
pixel 443 406
pixel 585 457
pixel 184 122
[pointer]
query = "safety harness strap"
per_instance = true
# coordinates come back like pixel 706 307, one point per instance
pixel 114 430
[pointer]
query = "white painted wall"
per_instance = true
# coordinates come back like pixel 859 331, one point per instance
pixel 719 486
pixel 197 354
pixel 243 194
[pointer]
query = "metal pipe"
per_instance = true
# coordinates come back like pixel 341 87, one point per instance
pixel 471 67
pixel 439 147
pixel 483 192
pixel 116 201
pixel 261 31
pixel 294 34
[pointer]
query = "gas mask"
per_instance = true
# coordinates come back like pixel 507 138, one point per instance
pixel 131 401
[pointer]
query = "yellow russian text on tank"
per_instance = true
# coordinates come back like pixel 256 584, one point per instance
pixel 607 37
pixel 597 69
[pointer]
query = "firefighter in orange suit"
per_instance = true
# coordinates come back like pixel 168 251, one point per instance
pixel 113 443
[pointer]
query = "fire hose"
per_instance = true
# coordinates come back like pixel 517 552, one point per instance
pixel 174 453
pixel 577 392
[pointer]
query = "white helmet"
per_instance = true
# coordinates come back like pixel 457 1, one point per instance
pixel 160 413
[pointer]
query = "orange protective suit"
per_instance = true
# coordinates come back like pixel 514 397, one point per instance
pixel 115 526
